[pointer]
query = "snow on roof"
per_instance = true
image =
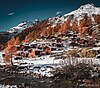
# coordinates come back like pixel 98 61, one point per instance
pixel 98 44
pixel 95 48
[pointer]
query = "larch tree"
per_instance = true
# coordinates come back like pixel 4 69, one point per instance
pixel 61 29
pixel 17 41
pixel 9 51
pixel 82 26
pixel 75 25
pixel 80 29
pixel 84 31
pixel 49 30
pixel 65 26
pixel 56 28
pixel 82 22
pixel 88 21
pixel 27 38
pixel 93 36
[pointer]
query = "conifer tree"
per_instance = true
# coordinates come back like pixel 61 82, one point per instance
pixel 74 25
pixel 10 50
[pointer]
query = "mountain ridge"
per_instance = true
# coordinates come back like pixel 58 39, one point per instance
pixel 84 21
pixel 22 26
pixel 60 23
pixel 88 9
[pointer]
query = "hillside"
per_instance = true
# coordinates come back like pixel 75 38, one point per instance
pixel 84 21
pixel 20 27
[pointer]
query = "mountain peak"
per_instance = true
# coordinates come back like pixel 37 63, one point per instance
pixel 20 27
pixel 88 9
pixel 87 6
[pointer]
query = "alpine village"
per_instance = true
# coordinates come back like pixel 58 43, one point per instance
pixel 63 47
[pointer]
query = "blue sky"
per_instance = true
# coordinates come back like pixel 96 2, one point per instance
pixel 12 12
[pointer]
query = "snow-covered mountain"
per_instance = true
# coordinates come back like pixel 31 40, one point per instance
pixel 20 27
pixel 38 26
pixel 88 9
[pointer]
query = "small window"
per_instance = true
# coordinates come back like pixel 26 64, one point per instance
pixel 18 58
pixel 98 57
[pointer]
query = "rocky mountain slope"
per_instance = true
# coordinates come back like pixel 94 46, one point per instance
pixel 84 20
pixel 88 9
pixel 20 27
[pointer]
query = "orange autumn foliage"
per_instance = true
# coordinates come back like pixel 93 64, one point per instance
pixel 85 21
pixel 32 54
pixel 17 41
pixel 84 30
pixel 7 59
pixel 10 50
pixel 75 25
pixel 65 26
pixel 80 29
pixel 27 38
